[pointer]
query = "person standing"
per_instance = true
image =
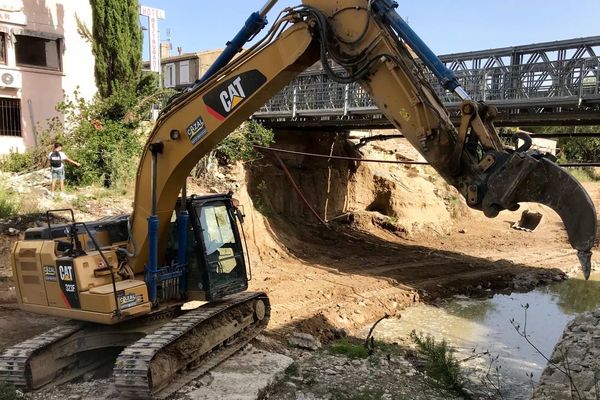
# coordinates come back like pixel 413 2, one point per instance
pixel 57 166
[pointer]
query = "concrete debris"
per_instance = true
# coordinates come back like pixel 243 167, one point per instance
pixel 327 376
pixel 13 232
pixel 100 389
pixel 24 182
pixel 304 341
pixel 246 376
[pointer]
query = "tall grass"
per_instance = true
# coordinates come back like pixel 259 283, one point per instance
pixel 9 205
pixel 440 363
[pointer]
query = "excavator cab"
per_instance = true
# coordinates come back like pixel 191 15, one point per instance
pixel 216 264
pixel 74 270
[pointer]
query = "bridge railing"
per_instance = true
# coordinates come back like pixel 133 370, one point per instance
pixel 559 83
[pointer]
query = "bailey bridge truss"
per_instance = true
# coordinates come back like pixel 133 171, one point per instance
pixel 554 83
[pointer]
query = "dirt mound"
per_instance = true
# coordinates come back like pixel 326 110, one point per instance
pixel 406 199
pixel 381 199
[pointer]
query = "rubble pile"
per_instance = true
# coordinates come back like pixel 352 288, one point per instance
pixel 574 368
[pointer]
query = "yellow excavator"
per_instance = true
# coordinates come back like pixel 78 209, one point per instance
pixel 122 281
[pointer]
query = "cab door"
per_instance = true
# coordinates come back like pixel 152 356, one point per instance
pixel 219 239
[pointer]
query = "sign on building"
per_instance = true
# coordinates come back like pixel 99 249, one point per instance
pixel 11 12
pixel 153 14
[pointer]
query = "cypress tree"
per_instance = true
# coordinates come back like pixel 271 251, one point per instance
pixel 117 44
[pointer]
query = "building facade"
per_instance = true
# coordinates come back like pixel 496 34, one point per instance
pixel 44 54
pixel 180 71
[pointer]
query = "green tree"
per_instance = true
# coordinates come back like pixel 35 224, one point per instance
pixel 239 146
pixel 117 44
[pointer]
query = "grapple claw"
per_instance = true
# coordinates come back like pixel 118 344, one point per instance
pixel 523 178
pixel 585 259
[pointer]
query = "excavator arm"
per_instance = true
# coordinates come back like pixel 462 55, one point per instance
pixel 361 41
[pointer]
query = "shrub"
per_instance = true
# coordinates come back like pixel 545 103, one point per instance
pixel 16 162
pixel 107 151
pixel 292 370
pixel 239 146
pixel 584 174
pixel 349 348
pixel 105 135
pixel 440 363
pixel 260 199
pixel 8 204
pixel 580 149
pixel 9 392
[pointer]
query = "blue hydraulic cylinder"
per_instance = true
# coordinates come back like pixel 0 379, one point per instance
pixel 253 26
pixel 386 9
pixel 183 219
pixel 152 267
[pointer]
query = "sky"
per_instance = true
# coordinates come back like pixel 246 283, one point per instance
pixel 447 26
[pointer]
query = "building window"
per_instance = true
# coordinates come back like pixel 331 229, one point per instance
pixel 33 51
pixel 10 117
pixel 169 76
pixel 2 48
pixel 184 73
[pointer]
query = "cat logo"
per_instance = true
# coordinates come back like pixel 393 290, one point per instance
pixel 66 273
pixel 233 95
pixel 228 96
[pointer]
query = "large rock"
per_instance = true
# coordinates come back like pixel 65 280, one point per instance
pixel 578 352
pixel 245 376
pixel 304 341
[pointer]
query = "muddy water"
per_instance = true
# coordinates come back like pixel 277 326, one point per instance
pixel 485 325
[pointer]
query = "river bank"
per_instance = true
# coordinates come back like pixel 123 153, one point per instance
pixel 574 367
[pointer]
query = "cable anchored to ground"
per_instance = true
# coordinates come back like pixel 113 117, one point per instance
pixel 405 162
pixel 300 153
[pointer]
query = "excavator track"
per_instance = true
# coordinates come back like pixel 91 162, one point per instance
pixel 65 352
pixel 187 347
pixel 15 361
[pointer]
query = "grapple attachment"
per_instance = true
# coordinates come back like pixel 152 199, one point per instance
pixel 532 179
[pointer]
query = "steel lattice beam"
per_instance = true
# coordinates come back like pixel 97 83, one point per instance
pixel 554 83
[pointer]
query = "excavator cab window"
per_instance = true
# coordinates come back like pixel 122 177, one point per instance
pixel 221 245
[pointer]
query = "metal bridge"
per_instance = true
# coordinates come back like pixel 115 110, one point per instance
pixel 554 83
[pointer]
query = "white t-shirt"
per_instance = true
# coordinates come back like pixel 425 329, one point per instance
pixel 63 157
